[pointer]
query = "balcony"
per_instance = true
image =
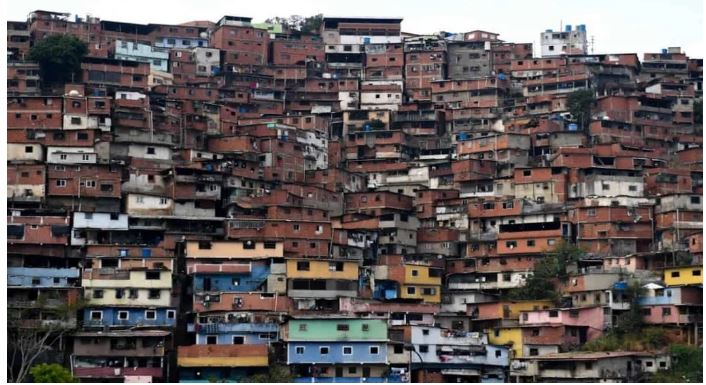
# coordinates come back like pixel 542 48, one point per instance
pixel 222 328
pixel 116 372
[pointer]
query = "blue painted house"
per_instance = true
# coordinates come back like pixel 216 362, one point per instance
pixel 116 317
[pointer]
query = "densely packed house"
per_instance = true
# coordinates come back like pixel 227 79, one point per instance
pixel 358 204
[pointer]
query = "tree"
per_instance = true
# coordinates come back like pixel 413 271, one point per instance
pixel 540 284
pixel 699 112
pixel 686 365
pixel 579 105
pixel 54 373
pixel 276 374
pixel 59 58
pixel 630 321
pixel 29 341
pixel 312 24
pixel 306 25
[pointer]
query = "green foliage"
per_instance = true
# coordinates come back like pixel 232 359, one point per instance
pixel 59 58
pixel 638 340
pixel 630 321
pixel 306 25
pixel 579 105
pixel 54 373
pixel 377 124
pixel 699 112
pixel 276 374
pixel 312 24
pixel 687 365
pixel 554 265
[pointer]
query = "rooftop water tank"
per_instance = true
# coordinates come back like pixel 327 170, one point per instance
pixel 567 28
pixel 581 27
pixel 664 51
pixel 548 30
pixel 573 127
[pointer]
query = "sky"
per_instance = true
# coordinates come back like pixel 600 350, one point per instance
pixel 616 26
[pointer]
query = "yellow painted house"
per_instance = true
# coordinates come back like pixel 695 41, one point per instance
pixel 508 336
pixel 684 275
pixel 138 287
pixel 234 249
pixel 421 282
pixel 322 269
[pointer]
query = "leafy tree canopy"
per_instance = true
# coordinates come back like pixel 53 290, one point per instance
pixel 59 58
pixel 54 373
pixel 579 105
pixel 306 25
pixel 276 374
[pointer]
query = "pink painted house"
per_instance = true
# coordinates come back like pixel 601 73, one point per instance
pixel 586 316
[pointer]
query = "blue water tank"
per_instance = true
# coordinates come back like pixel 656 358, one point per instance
pixel 548 30
pixel 501 76
pixel 367 127
pixel 664 51
pixel 581 27
pixel 462 136
pixel 573 127
pixel 366 40
pixel 567 28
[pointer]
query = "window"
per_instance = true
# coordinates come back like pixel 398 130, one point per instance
pixel 204 245
pixel 553 313
pixel 411 290
pixel 323 350
pixel 61 182
pixel 352 370
pixel 211 340
pixel 119 293
pixel 299 350
pixel 302 266
pixel 347 350
pixel 123 315
pixel 675 274
pixel 238 340
pixel 423 348
pixel 236 282
pixel 154 294
pixel 150 151
pixel 591 212
pixel 134 294
pixel 696 273
pixel 632 188
pixel 589 365
pixel 533 352
pixel 365 327
pixel 342 327
pixel 75 120
pixel 646 311
pixel 335 266
pixel 151 314
pixel 302 327
pixel 171 314
pixel 152 275
pixel 374 350
pixel 428 291
pixel 511 244
pixel 296 227
pixel 530 242
pixel 98 294
pixel 695 200
pixel 415 273
pixel 96 315
pixel 666 311
pixel 425 332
